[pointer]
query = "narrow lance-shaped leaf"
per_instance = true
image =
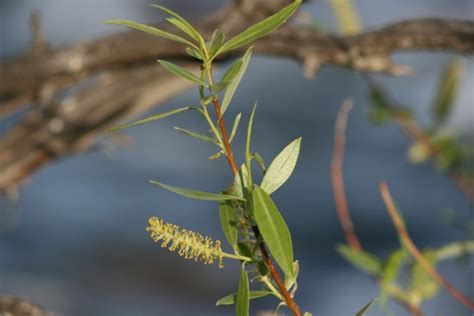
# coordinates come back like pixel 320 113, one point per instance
pixel 152 118
pixel 281 167
pixel 240 181
pixel 230 299
pixel 260 29
pixel 274 231
pixel 232 71
pixel 447 90
pixel 234 82
pixel 243 296
pixel 216 42
pixel 182 72
pixel 150 30
pixel 366 307
pixel 196 135
pixel 248 156
pixel 198 195
pixel 235 126
pixel 182 24
pixel 227 215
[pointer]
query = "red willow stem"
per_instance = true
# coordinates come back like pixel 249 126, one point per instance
pixel 290 302
pixel 337 177
pixel 413 250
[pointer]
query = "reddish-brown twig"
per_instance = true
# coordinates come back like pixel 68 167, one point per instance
pixel 339 192
pixel 290 302
pixel 338 178
pixel 413 250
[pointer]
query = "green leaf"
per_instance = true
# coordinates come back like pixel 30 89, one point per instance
pixel 235 127
pixel 259 160
pixel 447 88
pixel 182 24
pixel 248 156
pixel 150 30
pixel 232 71
pixel 215 156
pixel 307 314
pixel 230 299
pixel 152 118
pixel 196 135
pixel 240 181
pixel 194 53
pixel 421 282
pixel 274 230
pixel 281 167
pixel 243 295
pixel 364 309
pixel 217 41
pixel 182 72
pixel 390 272
pixel 228 222
pixel 198 195
pixel 260 29
pixel 236 77
pixel 361 259
pixel 290 281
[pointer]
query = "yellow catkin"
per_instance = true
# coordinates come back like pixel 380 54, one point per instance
pixel 190 245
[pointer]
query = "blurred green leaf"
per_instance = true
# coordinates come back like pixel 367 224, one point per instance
pixel 421 282
pixel 364 309
pixel 215 156
pixel 152 118
pixel 260 29
pixel 227 215
pixel 230 299
pixel 234 79
pixel 150 30
pixel 198 195
pixel 181 72
pixel 274 230
pixel 447 89
pixel 243 295
pixel 361 259
pixel 390 273
pixel 418 153
pixel 281 167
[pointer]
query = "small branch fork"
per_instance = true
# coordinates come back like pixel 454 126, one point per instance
pixel 290 302
pixel 339 192
pixel 413 250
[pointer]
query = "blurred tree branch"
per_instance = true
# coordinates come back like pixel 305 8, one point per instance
pixel 119 78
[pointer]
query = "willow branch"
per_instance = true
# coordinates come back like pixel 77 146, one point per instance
pixel 133 83
pixel 413 250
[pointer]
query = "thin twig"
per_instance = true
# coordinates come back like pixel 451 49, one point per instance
pixel 340 196
pixel 413 250
pixel 338 178
pixel 290 302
